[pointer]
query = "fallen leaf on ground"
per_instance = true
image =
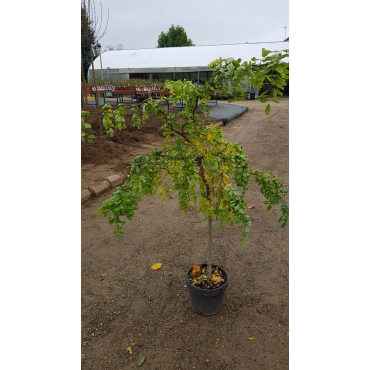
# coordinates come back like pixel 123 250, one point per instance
pixel 251 338
pixel 101 277
pixel 156 266
pixel 141 362
pixel 250 207
pixel 128 349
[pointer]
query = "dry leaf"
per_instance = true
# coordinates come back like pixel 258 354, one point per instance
pixel 156 266
pixel 218 279
pixel 128 349
pixel 195 271
pixel 251 338
pixel 250 207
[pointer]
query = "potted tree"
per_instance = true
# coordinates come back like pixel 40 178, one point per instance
pixel 203 168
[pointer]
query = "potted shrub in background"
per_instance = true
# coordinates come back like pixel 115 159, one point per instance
pixel 203 168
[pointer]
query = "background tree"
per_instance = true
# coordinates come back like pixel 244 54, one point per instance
pixel 176 36
pixel 91 26
pixel 87 39
pixel 90 35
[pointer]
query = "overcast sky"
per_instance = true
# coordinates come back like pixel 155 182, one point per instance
pixel 137 24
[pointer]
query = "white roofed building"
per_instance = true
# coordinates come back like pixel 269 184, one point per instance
pixel 175 63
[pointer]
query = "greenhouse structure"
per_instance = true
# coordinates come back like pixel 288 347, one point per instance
pixel 175 63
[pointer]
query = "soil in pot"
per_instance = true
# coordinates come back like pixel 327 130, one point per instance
pixel 198 277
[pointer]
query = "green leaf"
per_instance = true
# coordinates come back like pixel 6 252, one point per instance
pixel 267 109
pixel 141 362
pixel 192 181
pixel 264 93
pixel 262 99
pixel 265 52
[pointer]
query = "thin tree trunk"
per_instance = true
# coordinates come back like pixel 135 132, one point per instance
pixel 209 260
pixel 85 104
pixel 100 118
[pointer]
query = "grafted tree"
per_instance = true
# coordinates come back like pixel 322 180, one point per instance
pixel 199 153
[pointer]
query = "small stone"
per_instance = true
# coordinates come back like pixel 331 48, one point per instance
pixel 85 195
pixel 207 361
pixel 101 188
pixel 115 180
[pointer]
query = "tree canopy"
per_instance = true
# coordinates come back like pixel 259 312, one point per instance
pixel 176 36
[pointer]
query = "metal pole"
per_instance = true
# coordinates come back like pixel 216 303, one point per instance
pixel 101 66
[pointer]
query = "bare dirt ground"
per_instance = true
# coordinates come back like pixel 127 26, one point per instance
pixel 149 310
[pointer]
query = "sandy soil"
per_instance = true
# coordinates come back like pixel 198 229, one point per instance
pixel 149 310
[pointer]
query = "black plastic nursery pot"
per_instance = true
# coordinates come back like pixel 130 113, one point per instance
pixel 207 302
pixel 250 96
